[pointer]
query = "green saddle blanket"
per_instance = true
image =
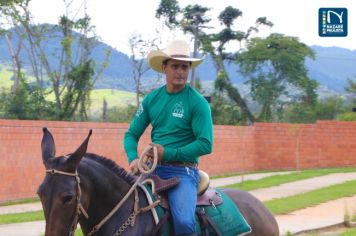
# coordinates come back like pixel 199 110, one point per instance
pixel 226 217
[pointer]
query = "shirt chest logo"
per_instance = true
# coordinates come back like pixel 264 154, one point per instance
pixel 178 110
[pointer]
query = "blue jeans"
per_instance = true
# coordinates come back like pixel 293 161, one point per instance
pixel 183 197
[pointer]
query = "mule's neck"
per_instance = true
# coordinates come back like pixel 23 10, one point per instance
pixel 102 190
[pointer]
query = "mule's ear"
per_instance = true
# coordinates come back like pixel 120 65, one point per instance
pixel 75 158
pixel 47 146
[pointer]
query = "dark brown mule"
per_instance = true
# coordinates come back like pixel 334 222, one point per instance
pixel 82 183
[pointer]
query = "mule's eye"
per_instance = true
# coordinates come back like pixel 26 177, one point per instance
pixel 67 199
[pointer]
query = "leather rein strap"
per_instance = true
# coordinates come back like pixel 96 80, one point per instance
pixel 131 220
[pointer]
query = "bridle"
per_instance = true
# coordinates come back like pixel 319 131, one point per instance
pixel 79 207
pixel 144 168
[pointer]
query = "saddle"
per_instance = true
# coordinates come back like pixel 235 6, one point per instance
pixel 159 185
pixel 205 197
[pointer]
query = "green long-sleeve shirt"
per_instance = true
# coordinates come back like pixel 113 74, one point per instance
pixel 181 123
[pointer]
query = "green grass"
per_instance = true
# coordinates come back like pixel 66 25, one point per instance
pixel 240 174
pixel 113 98
pixel 21 217
pixel 78 232
pixel 286 178
pixel 348 232
pixel 312 198
pixel 5 77
pixel 22 201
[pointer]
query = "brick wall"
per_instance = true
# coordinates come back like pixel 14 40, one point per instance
pixel 263 146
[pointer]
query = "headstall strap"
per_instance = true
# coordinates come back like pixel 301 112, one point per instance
pixel 79 208
pixel 131 220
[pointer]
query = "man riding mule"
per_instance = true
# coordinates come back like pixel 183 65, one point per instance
pixel 106 200
pixel 181 131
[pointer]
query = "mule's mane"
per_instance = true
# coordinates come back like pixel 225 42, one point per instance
pixel 118 170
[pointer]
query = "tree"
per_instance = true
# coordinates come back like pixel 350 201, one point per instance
pixel 220 56
pixel 191 19
pixel 139 50
pixel 215 43
pixel 330 108
pixel 351 89
pixel 168 9
pixel 27 102
pixel 77 40
pixel 350 110
pixel 224 112
pixel 121 114
pixel 327 109
pixel 273 66
pixel 194 20
pixel 6 9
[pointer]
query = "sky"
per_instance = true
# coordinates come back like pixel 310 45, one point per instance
pixel 116 21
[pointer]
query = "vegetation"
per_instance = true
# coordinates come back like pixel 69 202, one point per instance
pixel 78 232
pixel 71 80
pixel 276 180
pixel 312 198
pixel 63 89
pixel 274 64
pixel 21 217
pixel 348 232
pixel 22 201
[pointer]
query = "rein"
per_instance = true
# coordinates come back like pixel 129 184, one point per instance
pixel 144 169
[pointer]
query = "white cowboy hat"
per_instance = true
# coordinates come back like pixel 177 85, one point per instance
pixel 177 50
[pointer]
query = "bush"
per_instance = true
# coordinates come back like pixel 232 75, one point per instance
pixel 347 116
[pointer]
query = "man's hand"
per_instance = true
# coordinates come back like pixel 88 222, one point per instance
pixel 149 155
pixel 160 151
pixel 134 166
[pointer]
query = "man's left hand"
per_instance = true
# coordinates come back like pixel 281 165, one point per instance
pixel 160 151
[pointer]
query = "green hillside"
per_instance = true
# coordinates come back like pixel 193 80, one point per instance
pixel 5 78
pixel 113 97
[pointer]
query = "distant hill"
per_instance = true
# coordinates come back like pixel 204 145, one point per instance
pixel 331 67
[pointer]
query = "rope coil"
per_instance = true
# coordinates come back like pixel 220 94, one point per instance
pixel 145 164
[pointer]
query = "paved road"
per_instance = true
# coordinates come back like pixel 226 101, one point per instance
pixel 302 186
pixel 320 216
pixel 310 218
pixel 35 228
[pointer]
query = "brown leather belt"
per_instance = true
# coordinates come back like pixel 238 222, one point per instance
pixel 178 163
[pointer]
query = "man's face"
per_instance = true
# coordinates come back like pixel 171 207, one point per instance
pixel 176 72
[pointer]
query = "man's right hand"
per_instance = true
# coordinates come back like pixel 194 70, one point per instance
pixel 134 166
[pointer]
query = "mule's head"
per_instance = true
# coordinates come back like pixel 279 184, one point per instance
pixel 58 192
